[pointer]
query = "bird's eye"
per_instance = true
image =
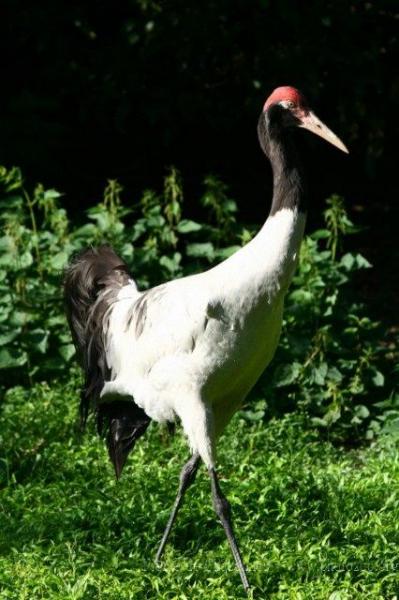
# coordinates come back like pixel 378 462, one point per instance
pixel 287 104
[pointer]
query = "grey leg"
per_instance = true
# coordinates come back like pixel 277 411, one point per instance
pixel 187 476
pixel 223 511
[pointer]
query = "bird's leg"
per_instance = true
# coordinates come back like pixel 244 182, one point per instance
pixel 187 476
pixel 223 511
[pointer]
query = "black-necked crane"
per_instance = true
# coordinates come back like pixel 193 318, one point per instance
pixel 193 348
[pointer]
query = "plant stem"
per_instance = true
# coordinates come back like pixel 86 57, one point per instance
pixel 35 232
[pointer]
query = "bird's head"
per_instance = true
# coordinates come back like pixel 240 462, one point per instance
pixel 288 107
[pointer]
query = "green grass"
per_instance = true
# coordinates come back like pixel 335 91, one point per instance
pixel 313 521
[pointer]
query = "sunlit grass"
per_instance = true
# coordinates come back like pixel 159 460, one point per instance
pixel 313 521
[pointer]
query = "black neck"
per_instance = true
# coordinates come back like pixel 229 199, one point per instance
pixel 289 188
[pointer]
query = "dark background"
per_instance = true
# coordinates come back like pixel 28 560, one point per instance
pixel 97 90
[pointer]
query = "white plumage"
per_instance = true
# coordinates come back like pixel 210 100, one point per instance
pixel 203 340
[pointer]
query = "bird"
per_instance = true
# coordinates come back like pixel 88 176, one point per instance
pixel 191 349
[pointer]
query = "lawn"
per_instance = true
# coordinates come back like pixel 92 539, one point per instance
pixel 313 520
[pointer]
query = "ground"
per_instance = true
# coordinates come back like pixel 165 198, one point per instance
pixel 313 521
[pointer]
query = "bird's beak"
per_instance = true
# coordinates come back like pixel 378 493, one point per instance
pixel 118 453
pixel 312 123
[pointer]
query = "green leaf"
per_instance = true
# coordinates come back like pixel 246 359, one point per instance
pixel 254 415
pixel 103 219
pixel 138 229
pixel 287 374
pixel 59 260
pixel 391 426
pixel 223 253
pixel 361 411
pixel 9 336
pixel 25 260
pixel 347 261
pixel 332 415
pixel 378 379
pixel 13 202
pixel 38 339
pixel 334 375
pixel 301 296
pixel 362 263
pixel 7 243
pixel 204 250
pixel 319 422
pixel 156 221
pixel 318 374
pixel 19 318
pixel 10 358
pixel 49 194
pixel 187 226
pixel 320 234
pixel 171 264
pixel 86 231
pixel 230 206
pixel 55 320
pixel 67 351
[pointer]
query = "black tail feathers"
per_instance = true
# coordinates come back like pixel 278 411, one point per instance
pixel 91 284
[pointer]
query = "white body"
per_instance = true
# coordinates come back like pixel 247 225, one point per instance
pixel 203 341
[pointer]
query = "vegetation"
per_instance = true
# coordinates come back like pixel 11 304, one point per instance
pixel 330 362
pixel 314 520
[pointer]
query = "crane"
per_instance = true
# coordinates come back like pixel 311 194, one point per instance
pixel 192 348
